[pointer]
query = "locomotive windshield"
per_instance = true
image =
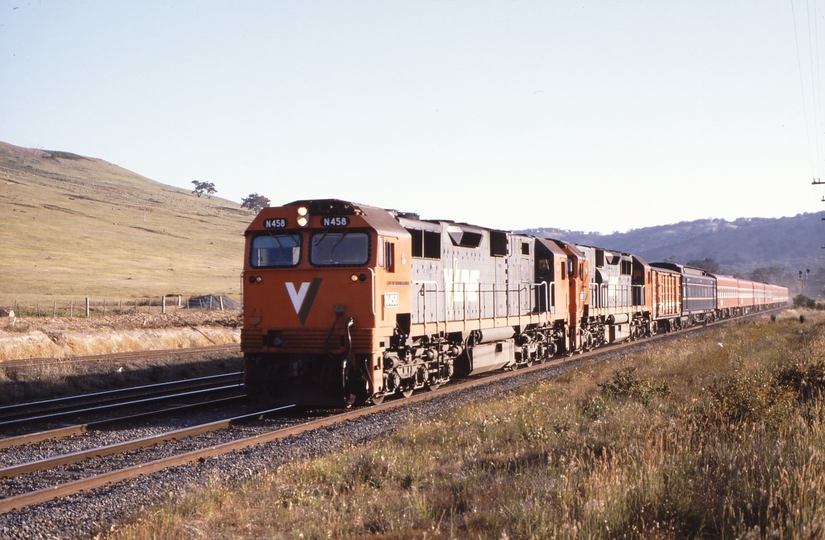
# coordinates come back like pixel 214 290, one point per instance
pixel 272 250
pixel 340 248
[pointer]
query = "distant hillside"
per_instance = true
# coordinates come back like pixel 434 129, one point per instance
pixel 76 226
pixel 740 246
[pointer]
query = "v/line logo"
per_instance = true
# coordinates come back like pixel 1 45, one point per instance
pixel 303 297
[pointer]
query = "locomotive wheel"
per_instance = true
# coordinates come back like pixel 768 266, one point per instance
pixel 407 393
pixel 432 387
pixel 377 400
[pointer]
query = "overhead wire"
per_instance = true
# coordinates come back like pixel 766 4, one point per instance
pixel 816 99
pixel 802 88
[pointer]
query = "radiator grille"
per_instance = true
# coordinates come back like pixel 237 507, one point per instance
pixel 293 340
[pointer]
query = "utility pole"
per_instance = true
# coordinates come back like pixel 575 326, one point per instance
pixel 818 182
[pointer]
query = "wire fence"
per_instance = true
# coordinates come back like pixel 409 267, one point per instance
pixel 90 307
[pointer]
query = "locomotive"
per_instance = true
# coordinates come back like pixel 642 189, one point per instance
pixel 346 303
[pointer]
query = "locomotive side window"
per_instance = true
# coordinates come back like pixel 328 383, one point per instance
pixel 334 248
pixel 627 268
pixel 432 245
pixel 389 256
pixel 425 244
pixel 417 242
pixel 273 250
pixel 498 244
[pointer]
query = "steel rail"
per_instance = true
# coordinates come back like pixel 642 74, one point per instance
pixel 155 388
pixel 79 429
pixel 156 399
pixel 62 490
pixel 135 444
pixel 69 488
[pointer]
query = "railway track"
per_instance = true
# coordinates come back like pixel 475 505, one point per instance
pixel 39 411
pixel 261 434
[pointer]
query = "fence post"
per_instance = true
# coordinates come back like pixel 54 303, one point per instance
pixel 163 305
pixel 87 306
pixel 210 302
pixel 104 307
pixel 37 309
pixel 71 308
pixel 221 298
pixel 120 307
pixel 54 312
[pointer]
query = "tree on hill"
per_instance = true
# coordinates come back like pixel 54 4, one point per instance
pixel 204 187
pixel 767 275
pixel 255 202
pixel 708 265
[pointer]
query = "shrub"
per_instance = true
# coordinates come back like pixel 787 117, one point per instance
pixel 625 384
pixel 807 382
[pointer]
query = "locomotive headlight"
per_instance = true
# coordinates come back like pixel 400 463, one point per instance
pixel 302 221
pixel 258 279
pixel 353 278
pixel 302 210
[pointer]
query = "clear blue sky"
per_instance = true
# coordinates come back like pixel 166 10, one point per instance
pixel 596 116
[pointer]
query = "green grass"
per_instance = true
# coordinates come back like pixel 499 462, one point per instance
pixel 76 227
pixel 719 436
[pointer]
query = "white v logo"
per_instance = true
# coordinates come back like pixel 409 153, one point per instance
pixel 298 296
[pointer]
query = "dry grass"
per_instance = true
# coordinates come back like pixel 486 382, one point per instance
pixel 75 227
pixel 719 436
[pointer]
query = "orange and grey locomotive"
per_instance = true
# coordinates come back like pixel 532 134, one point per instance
pixel 347 303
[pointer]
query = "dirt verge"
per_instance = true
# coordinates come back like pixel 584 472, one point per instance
pixel 61 337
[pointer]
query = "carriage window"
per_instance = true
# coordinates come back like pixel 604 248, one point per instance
pixel 273 250
pixel 339 248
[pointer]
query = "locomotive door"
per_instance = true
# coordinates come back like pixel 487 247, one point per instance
pixel 578 292
pixel 545 275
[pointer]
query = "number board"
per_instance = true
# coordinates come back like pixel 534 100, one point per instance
pixel 391 299
pixel 341 221
pixel 275 223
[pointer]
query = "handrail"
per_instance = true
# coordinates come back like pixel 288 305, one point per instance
pixel 480 291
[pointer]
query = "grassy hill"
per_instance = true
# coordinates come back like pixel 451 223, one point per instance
pixel 77 226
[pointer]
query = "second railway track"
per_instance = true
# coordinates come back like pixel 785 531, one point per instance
pixel 73 406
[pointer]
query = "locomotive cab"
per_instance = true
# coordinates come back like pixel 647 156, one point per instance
pixel 323 282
